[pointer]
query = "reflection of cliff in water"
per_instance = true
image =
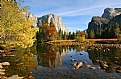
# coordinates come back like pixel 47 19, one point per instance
pixel 50 56
pixel 109 59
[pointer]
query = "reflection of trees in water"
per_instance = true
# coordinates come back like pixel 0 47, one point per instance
pixel 21 64
pixel 78 48
pixel 50 56
pixel 106 56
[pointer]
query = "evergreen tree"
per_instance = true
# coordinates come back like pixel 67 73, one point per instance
pixel 60 34
pixel 91 34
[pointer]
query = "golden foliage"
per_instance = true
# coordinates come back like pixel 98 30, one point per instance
pixel 15 29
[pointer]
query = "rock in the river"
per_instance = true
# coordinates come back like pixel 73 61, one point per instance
pixel 104 64
pixel 92 68
pixel 119 71
pixel 73 59
pixel 14 77
pixel 2 70
pixel 1 66
pixel 87 64
pixel 5 63
pixel 77 65
pixel 2 73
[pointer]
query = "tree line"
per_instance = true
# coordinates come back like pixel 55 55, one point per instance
pixel 47 32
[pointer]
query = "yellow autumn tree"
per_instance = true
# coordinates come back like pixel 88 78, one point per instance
pixel 15 29
pixel 82 36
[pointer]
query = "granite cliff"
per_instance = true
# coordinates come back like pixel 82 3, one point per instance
pixel 103 27
pixel 110 13
pixel 55 19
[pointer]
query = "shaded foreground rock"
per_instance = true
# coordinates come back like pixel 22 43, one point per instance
pixel 5 63
pixel 77 65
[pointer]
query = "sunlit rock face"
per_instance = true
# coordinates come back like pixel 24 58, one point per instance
pixel 29 15
pixel 109 13
pixel 55 19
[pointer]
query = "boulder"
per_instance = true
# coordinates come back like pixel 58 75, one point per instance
pixel 77 65
pixel 5 63
pixel 1 66
pixel 118 71
pixel 2 73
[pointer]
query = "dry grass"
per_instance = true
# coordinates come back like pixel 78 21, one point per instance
pixel 114 39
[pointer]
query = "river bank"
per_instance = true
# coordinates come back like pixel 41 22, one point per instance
pixel 86 43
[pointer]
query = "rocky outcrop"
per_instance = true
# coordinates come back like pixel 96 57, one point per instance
pixel 109 13
pixel 29 15
pixel 95 26
pixel 55 19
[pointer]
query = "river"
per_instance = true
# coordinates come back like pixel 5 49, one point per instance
pixel 57 62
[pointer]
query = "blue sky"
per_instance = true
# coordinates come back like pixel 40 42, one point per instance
pixel 75 14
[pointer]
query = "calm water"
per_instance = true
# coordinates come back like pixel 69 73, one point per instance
pixel 55 62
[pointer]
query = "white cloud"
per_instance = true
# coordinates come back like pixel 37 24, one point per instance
pixel 78 12
pixel 70 7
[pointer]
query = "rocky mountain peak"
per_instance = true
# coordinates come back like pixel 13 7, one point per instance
pixel 55 19
pixel 109 13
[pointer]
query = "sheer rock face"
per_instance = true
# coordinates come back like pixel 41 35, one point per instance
pixel 29 15
pixel 55 19
pixel 109 13
pixel 97 22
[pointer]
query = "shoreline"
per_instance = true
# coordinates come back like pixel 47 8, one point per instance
pixel 86 44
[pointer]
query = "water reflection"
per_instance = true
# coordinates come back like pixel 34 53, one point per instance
pixel 50 56
pixel 22 61
pixel 109 56
pixel 50 62
pixel 56 62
